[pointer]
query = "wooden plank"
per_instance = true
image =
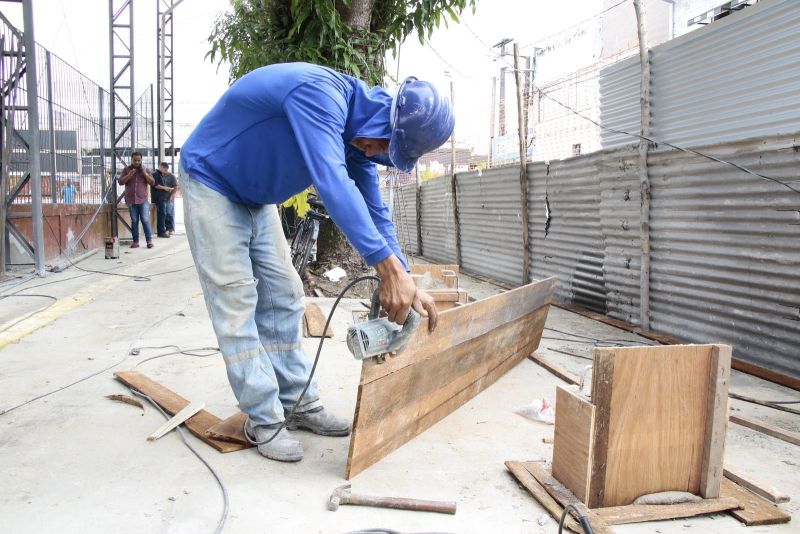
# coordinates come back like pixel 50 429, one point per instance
pixel 792 382
pixel 563 496
pixel 572 447
pixel 602 385
pixel 172 403
pixel 716 421
pixel 756 487
pixel 554 368
pixel 231 429
pixel 766 428
pixel 433 269
pixel 472 347
pixel 656 417
pixel 177 419
pixel 637 513
pixel 540 494
pixel 315 321
pixel 754 510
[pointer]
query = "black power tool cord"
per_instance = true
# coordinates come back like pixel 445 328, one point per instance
pixel 584 521
pixel 313 367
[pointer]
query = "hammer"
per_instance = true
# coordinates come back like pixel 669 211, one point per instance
pixel 343 495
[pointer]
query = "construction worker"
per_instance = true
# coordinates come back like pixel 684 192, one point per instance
pixel 276 131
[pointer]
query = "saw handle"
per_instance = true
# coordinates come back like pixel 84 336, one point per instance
pixel 412 322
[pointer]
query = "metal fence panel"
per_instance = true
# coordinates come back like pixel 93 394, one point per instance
pixel 491 223
pixel 438 223
pixel 565 229
pixel 738 78
pixel 726 252
pixel 618 172
pixel 619 102
pixel 753 89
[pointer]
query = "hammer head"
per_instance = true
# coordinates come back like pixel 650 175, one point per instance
pixel 339 494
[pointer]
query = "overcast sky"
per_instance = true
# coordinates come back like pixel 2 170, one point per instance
pixel 77 31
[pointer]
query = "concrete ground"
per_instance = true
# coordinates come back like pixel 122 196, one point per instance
pixel 74 461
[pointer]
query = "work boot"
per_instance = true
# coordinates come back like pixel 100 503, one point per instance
pixel 284 448
pixel 319 422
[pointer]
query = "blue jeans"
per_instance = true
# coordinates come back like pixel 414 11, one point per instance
pixel 161 216
pixel 255 300
pixel 169 220
pixel 140 212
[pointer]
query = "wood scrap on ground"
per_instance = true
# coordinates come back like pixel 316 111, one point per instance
pixel 177 419
pixel 127 399
pixel 314 322
pixel 746 481
pixel 556 369
pixel 754 510
pixel 172 403
pixel 472 347
pixel 231 429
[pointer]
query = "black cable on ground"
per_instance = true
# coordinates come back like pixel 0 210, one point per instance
pixel 225 499
pixel 584 521
pixel 313 367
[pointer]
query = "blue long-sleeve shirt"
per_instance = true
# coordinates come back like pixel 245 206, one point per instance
pixel 283 127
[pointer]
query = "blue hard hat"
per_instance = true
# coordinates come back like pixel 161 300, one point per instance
pixel 422 120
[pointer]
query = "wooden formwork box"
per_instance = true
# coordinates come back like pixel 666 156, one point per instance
pixel 656 422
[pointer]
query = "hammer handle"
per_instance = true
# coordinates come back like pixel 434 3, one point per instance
pixel 400 503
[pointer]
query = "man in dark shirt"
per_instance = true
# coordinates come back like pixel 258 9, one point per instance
pixel 163 193
pixel 136 178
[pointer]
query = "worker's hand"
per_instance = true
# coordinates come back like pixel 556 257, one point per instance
pixel 426 306
pixel 398 289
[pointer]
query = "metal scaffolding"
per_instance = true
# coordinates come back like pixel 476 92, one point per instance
pixel 123 130
pixel 164 87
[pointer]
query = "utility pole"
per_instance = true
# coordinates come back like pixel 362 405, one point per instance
pixel 644 177
pixel 491 120
pixel 523 169
pixel 502 111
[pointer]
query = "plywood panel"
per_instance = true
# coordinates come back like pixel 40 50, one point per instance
pixel 651 411
pixel 572 443
pixel 472 347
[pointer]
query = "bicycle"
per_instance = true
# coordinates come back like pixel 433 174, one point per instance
pixel 307 233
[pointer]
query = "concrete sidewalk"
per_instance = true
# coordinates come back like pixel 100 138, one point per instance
pixel 76 462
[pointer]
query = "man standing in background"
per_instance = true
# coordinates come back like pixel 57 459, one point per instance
pixel 136 178
pixel 163 195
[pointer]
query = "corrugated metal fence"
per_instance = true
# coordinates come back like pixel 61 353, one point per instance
pixel 725 258
pixel 734 79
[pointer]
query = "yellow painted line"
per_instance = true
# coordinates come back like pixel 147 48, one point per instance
pixel 62 306
pixel 34 321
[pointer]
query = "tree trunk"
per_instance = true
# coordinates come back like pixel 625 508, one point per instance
pixel 333 248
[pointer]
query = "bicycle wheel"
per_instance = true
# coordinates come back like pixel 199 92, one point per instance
pixel 302 247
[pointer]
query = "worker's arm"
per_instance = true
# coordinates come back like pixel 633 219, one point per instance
pixel 318 116
pixel 126 175
pixel 364 173
pixel 148 178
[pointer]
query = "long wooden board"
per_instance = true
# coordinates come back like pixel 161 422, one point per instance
pixel 572 442
pixel 759 488
pixel 472 347
pixel 651 422
pixel 766 428
pixel 172 403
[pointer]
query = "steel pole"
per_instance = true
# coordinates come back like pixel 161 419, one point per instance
pixel 34 150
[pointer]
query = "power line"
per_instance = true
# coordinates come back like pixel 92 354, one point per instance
pixel 584 21
pixel 653 140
